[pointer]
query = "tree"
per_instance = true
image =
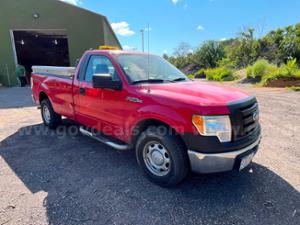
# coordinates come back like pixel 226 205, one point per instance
pixel 246 52
pixel 270 46
pixel 180 62
pixel 278 46
pixel 290 45
pixel 181 56
pixel 182 50
pixel 209 54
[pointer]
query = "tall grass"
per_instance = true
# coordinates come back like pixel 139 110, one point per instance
pixel 259 69
pixel 265 72
pixel 215 74
pixel 219 74
pixel 289 70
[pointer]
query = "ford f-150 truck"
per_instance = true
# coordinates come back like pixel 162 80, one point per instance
pixel 131 100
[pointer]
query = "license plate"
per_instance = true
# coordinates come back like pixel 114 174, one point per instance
pixel 246 161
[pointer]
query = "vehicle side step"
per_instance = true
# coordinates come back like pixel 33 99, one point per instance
pixel 104 140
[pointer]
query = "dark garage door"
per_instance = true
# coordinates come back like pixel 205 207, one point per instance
pixel 45 48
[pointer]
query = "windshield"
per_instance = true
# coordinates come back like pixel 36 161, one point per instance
pixel 144 68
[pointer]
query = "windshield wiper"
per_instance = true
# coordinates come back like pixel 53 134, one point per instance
pixel 179 79
pixel 158 80
pixel 150 81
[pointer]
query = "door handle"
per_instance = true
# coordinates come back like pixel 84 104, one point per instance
pixel 82 91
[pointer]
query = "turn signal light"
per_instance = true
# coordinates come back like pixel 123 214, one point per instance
pixel 198 123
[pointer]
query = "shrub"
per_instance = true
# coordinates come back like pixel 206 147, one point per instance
pixel 200 74
pixel 259 69
pixel 191 76
pixel 226 62
pixel 249 72
pixel 297 73
pixel 278 73
pixel 291 66
pixel 295 88
pixel 219 74
pixel 289 70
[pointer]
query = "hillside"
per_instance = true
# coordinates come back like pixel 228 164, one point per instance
pixel 271 57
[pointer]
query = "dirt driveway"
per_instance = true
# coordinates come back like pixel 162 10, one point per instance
pixel 52 178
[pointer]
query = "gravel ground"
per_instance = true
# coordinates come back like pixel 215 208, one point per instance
pixel 47 177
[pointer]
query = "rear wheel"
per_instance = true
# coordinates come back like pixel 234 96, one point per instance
pixel 162 157
pixel 50 118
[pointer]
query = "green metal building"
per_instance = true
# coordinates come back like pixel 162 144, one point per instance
pixel 47 32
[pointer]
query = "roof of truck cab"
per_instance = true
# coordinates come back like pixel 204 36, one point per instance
pixel 117 52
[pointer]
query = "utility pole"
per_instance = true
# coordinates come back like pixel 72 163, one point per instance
pixel 143 39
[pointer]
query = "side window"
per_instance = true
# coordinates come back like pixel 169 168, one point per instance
pixel 82 68
pixel 100 65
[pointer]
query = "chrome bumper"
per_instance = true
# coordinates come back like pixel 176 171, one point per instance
pixel 216 162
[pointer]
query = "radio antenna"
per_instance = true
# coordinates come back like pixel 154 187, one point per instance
pixel 148 56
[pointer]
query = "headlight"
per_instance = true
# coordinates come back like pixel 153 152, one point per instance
pixel 218 126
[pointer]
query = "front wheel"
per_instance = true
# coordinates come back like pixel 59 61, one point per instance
pixel 162 157
pixel 50 118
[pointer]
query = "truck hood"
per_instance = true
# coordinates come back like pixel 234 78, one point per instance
pixel 197 93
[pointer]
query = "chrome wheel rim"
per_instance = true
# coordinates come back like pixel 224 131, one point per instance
pixel 46 114
pixel 157 158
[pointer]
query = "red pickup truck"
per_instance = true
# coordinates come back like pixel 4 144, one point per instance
pixel 132 100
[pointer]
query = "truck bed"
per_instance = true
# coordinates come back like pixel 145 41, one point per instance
pixel 58 83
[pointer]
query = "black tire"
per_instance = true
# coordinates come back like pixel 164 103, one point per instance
pixel 179 163
pixel 54 119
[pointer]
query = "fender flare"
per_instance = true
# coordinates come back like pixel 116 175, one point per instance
pixel 157 113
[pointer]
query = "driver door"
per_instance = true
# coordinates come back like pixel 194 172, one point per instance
pixel 101 109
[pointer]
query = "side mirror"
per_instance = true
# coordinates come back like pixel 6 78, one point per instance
pixel 105 81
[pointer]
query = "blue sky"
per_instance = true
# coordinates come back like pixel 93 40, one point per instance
pixel 192 21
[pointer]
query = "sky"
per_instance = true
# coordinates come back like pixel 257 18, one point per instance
pixel 192 21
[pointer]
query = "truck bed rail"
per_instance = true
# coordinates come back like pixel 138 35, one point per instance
pixel 53 70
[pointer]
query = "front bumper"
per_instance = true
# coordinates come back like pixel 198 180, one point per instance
pixel 219 162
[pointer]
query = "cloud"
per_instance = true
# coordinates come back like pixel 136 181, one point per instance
pixel 127 47
pixel 165 51
pixel 122 29
pixel 200 27
pixel 223 39
pixel 175 1
pixel 73 2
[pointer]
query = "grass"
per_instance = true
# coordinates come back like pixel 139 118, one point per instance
pixel 259 69
pixel 191 76
pixel 200 74
pixel 294 88
pixel 214 74
pixel 261 72
pixel 219 74
pixel 266 72
pixel 286 71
